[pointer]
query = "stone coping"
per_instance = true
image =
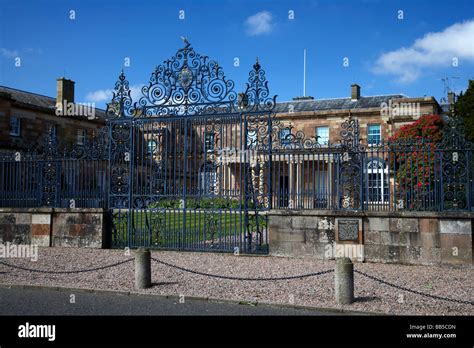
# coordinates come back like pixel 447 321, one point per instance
pixel 393 214
pixel 281 212
pixel 52 210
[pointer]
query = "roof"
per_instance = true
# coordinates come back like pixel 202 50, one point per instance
pixel 36 101
pixel 335 104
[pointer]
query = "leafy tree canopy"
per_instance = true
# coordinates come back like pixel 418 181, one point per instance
pixel 464 107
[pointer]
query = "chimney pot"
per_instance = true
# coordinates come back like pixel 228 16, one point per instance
pixel 355 92
pixel 64 91
pixel 451 98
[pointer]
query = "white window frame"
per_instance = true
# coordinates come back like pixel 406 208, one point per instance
pixel 151 150
pixel 326 143
pixel 15 127
pixel 285 140
pixel 252 139
pixel 368 134
pixel 209 138
pixel 81 136
pixel 382 178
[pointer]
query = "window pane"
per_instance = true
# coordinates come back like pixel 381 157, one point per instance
pixel 252 139
pixel 81 136
pixel 322 134
pixel 151 146
pixel 373 134
pixel 15 126
pixel 209 141
pixel 377 181
pixel 284 139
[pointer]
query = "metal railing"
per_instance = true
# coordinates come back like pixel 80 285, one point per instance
pixel 390 176
pixel 45 177
pixel 415 176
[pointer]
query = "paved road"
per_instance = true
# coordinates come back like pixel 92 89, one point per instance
pixel 44 301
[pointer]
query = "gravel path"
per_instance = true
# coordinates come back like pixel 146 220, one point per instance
pixel 313 291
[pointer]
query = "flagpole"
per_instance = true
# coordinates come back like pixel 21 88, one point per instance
pixel 304 73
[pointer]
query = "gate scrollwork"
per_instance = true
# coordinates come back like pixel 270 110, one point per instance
pixel 455 164
pixel 167 154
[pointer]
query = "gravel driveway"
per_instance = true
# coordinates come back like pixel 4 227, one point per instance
pixel 312 291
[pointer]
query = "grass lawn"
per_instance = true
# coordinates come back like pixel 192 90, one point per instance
pixel 177 219
pixel 174 228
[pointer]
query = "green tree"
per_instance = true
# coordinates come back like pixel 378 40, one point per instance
pixel 464 107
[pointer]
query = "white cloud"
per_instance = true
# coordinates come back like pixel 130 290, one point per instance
pixel 136 92
pixel 33 50
pixel 99 96
pixel 105 95
pixel 260 23
pixel 432 50
pixel 8 53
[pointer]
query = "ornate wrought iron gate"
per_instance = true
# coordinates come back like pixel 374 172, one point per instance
pixel 189 161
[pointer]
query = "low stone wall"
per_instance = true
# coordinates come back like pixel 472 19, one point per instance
pixel 403 237
pixel 79 227
pixel 400 237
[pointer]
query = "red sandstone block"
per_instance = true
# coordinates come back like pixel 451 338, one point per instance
pixel 429 225
pixel 40 230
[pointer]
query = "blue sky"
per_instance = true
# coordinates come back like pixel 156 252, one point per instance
pixel 386 54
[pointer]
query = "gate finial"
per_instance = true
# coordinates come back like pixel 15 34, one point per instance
pixel 121 103
pixel 257 65
pixel 186 42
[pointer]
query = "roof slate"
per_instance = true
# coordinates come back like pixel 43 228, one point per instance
pixel 37 100
pixel 335 104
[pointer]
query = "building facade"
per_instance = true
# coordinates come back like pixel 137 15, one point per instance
pixel 25 118
pixel 216 156
pixel 379 116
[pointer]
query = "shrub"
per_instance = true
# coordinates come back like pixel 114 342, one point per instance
pixel 413 155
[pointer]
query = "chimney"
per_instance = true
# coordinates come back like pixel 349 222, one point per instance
pixel 451 98
pixel 355 92
pixel 64 91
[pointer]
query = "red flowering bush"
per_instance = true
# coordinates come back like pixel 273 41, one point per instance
pixel 413 156
pixel 427 127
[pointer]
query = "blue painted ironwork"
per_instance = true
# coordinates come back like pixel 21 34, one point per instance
pixel 350 164
pixel 121 103
pixel 186 84
pixel 49 170
pixel 192 165
pixel 454 156
pixel 294 172
pixel 389 175
pixel 182 175
pixel 74 177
